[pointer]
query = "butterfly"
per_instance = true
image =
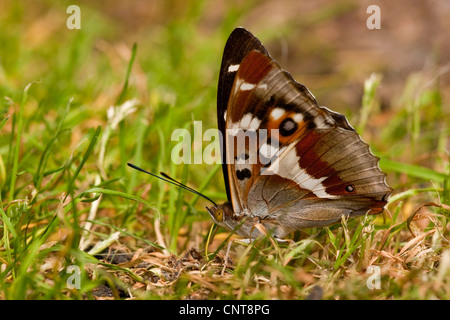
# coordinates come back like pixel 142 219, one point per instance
pixel 309 168
pixel 288 163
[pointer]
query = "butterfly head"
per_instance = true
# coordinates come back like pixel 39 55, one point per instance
pixel 222 215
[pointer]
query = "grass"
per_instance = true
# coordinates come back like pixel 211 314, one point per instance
pixel 76 109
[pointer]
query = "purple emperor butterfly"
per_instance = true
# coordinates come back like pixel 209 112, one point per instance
pixel 316 168
pixel 307 168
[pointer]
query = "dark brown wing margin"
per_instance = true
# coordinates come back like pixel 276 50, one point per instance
pixel 239 44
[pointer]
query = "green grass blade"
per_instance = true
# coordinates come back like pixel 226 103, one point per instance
pixel 3 122
pixel 16 148
pixel 83 160
pixel 48 148
pixel 121 97
pixel 412 170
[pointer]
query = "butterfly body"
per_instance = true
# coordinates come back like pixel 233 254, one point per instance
pixel 288 163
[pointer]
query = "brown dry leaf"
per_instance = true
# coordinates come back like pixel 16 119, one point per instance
pixel 415 241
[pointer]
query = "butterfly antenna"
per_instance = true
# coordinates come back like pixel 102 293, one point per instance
pixel 165 175
pixel 168 179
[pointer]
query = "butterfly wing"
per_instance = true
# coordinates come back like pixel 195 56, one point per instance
pixel 309 167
